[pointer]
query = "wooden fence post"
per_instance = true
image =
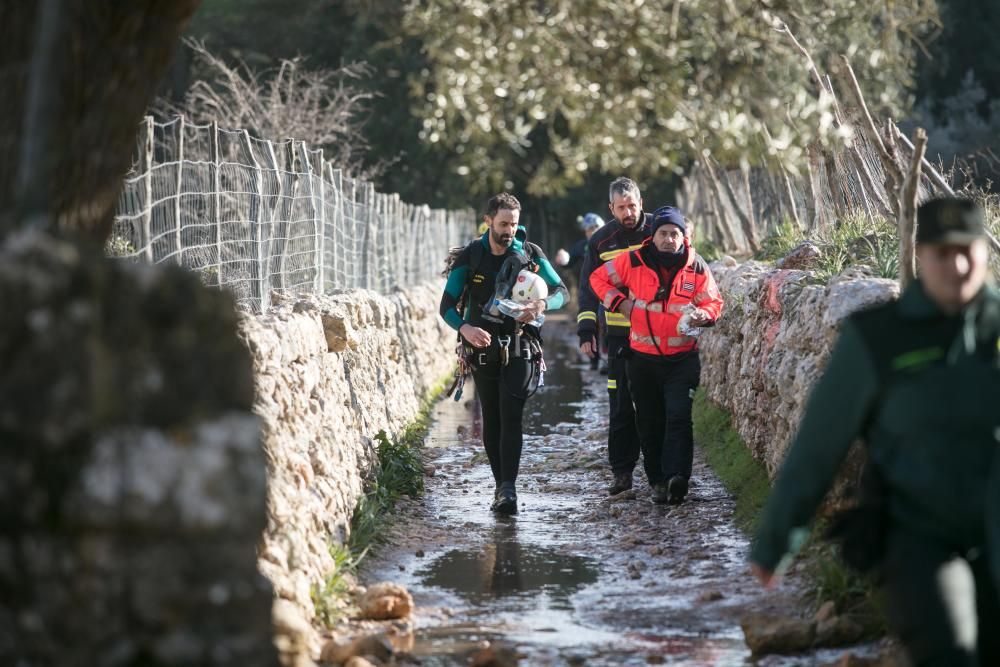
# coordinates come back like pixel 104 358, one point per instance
pixel 337 180
pixel 321 270
pixel 260 287
pixel 217 200
pixel 356 240
pixel 146 168
pixel 180 185
pixel 316 217
pixel 281 211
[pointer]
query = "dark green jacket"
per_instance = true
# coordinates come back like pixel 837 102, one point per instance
pixel 923 390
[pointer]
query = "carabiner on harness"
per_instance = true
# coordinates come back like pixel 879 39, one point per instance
pixel 462 370
pixel 504 349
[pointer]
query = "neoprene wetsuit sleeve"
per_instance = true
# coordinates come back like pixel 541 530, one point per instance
pixel 835 416
pixel 558 294
pixel 453 291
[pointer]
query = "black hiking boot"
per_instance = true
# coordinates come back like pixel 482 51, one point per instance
pixel 660 494
pixel 505 500
pixel 677 488
pixel 622 483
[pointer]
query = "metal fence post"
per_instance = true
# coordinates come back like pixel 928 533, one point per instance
pixel 180 185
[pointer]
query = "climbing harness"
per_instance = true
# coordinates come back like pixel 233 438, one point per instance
pixel 462 370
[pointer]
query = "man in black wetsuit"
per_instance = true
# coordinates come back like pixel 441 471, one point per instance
pixel 503 352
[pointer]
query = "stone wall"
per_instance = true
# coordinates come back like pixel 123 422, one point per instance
pixel 772 344
pixel 132 486
pixel 330 373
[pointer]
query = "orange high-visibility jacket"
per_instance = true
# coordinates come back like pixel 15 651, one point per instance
pixel 654 322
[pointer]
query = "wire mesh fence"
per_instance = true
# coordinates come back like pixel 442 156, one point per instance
pixel 258 217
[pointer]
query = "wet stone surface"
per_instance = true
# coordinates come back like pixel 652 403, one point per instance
pixel 575 577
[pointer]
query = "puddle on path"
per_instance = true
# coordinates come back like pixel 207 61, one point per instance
pixel 572 579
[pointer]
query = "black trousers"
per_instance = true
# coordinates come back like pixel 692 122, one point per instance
pixel 944 606
pixel 502 392
pixel 623 438
pixel 663 391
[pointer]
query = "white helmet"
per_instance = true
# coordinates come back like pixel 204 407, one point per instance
pixel 529 287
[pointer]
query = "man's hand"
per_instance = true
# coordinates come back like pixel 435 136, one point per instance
pixel 625 307
pixel 477 337
pixel 766 577
pixel 700 318
pixel 532 309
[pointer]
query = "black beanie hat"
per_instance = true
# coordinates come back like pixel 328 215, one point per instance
pixel 668 215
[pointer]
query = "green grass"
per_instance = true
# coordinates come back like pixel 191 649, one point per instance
pixel 708 250
pixel 399 473
pixel 851 592
pixel 743 475
pixel 331 598
pixel 854 240
pixel 783 238
pixel 746 479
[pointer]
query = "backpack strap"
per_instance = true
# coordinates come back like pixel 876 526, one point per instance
pixel 476 254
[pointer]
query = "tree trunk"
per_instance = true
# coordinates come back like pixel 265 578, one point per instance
pixel 745 223
pixel 78 76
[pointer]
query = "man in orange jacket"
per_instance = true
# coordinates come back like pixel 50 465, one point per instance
pixel 667 291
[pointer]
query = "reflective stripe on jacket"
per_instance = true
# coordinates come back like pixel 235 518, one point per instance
pixel 654 322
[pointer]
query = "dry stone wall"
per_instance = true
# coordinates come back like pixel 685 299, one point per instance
pixel 132 486
pixel 771 345
pixel 331 372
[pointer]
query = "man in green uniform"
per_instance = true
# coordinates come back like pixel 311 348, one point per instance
pixel 919 380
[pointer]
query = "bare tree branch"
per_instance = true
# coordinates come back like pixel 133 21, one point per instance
pixel 908 210
pixel 323 107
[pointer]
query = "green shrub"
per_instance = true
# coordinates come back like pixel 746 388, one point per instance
pixel 832 580
pixel 118 246
pixel 785 236
pixel 330 599
pixel 400 473
pixel 708 250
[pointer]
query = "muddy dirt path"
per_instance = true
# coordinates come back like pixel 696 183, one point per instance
pixel 572 579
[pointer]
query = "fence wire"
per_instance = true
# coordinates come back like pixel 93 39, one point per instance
pixel 258 217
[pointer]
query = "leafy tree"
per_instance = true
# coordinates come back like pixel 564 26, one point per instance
pixel 561 88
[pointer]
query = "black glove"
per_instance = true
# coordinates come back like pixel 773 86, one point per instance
pixel 587 332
